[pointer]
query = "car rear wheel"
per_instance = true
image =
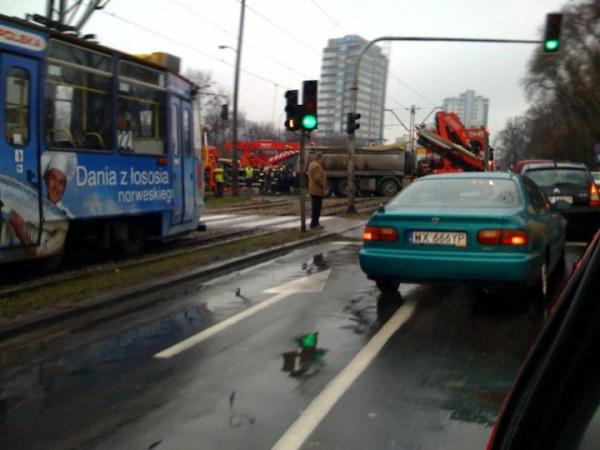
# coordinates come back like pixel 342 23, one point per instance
pixel 387 285
pixel 539 291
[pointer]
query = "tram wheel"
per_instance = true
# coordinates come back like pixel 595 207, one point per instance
pixel 130 238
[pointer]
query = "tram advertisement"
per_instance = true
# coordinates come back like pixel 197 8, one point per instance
pixel 127 185
pixel 72 188
pixel 22 225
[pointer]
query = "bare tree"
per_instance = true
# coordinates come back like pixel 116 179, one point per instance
pixel 260 130
pixel 513 141
pixel 565 118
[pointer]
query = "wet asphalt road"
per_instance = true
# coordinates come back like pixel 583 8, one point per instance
pixel 437 383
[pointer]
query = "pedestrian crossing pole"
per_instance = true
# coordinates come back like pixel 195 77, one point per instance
pixel 302 179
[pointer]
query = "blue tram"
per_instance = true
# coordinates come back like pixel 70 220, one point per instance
pixel 97 147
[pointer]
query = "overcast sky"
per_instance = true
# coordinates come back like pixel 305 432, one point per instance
pixel 283 41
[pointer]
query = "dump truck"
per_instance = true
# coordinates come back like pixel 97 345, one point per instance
pixel 382 170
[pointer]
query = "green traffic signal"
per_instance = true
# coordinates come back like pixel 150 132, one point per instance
pixel 551 45
pixel 309 122
pixel 552 32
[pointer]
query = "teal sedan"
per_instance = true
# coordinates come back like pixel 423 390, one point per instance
pixel 484 228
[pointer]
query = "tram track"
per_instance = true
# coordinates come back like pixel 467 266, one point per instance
pixel 157 252
pixel 290 206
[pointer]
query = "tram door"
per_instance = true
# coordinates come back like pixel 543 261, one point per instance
pixel 176 160
pixel 182 155
pixel 19 175
pixel 188 162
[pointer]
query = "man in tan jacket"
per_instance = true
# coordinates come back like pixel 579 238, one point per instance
pixel 317 182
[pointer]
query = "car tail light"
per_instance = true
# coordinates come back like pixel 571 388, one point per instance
pixel 489 237
pixel 513 238
pixel 594 195
pixel 387 234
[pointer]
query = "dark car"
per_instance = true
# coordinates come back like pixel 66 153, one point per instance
pixel 520 165
pixel 574 184
pixel 554 401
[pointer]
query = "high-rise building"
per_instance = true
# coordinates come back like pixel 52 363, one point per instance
pixel 337 71
pixel 470 108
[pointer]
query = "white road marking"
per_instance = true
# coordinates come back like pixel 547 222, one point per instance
pixel 232 220
pixel 209 218
pixel 311 283
pixel 271 221
pixel 297 434
pixel 296 223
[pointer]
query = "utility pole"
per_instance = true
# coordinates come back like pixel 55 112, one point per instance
pixel 411 139
pixel 302 175
pixel 236 88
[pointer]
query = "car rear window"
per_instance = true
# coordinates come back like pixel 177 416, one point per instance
pixel 459 192
pixel 553 177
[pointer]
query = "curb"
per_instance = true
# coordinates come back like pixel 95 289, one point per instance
pixel 104 301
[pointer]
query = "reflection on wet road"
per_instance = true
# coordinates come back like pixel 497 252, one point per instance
pixel 437 382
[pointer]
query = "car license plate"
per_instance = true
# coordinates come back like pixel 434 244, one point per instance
pixel 566 198
pixel 451 238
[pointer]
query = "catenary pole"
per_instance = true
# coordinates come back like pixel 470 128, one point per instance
pixel 236 88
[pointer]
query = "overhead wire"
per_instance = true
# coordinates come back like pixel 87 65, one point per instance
pixel 329 16
pixel 280 28
pixel 229 33
pixel 410 88
pixel 189 47
pixel 336 23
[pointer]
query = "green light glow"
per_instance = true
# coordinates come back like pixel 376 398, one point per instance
pixel 309 122
pixel 308 340
pixel 551 45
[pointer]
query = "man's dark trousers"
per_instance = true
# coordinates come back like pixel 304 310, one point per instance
pixel 316 210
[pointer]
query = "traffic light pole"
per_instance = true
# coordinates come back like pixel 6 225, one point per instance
pixel 302 181
pixel 354 88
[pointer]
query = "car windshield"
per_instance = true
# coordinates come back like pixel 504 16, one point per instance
pixel 552 177
pixel 461 192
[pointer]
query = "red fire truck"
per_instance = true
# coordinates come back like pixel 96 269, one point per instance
pixel 258 153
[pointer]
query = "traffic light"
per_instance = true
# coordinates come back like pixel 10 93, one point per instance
pixel 224 112
pixel 352 123
pixel 292 110
pixel 309 105
pixel 552 32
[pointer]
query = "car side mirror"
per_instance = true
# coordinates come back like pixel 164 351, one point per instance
pixel 559 205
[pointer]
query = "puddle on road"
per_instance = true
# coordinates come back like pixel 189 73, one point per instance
pixel 95 364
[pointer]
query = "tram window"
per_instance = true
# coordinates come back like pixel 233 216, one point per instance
pixel 174 145
pixel 187 135
pixel 140 127
pixel 78 112
pixel 141 108
pixel 16 125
